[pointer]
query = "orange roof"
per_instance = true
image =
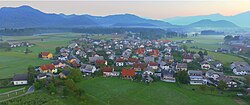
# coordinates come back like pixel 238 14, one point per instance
pixel 45 53
pixel 47 67
pixel 128 72
pixel 155 52
pixel 140 65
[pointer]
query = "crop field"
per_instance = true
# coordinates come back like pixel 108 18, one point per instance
pixel 16 61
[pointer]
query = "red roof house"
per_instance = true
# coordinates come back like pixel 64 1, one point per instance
pixel 128 73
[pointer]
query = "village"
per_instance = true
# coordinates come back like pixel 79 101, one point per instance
pixel 134 58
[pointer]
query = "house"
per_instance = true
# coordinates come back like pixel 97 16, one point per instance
pixel 205 65
pixel 208 58
pixel 101 62
pixel 153 65
pixel 169 58
pixel 214 75
pixel 109 71
pixel 128 73
pixel 139 66
pixel 41 76
pixel 62 58
pixel 181 67
pixel 119 62
pixel 217 64
pixel 164 65
pixel 240 68
pixel 20 79
pixel 187 58
pixel 131 61
pixel 46 55
pixel 64 74
pixel 228 80
pixel 168 76
pixel 196 77
pixel 140 52
pixel 59 64
pixel 148 71
pixel 93 59
pixel 196 56
pixel 149 59
pixel 86 68
pixel 155 53
pixel 48 68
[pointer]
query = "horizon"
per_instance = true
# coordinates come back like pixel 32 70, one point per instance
pixel 145 9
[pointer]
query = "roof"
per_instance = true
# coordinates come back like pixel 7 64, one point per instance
pixel 155 52
pixel 128 72
pixel 93 59
pixel 140 65
pixel 181 65
pixel 153 64
pixel 107 69
pixel 66 72
pixel 169 73
pixel 20 77
pixel 135 60
pixel 45 53
pixel 140 51
pixel 47 67
pixel 195 72
pixel 119 60
pixel 100 61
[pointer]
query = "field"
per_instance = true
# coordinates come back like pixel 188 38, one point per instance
pixel 124 92
pixel 16 61
pixel 114 91
pixel 210 42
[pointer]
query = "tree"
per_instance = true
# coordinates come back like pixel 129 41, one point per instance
pixel 182 77
pixel 222 85
pixel 203 87
pixel 205 52
pixel 75 75
pixel 212 89
pixel 27 51
pixel 201 54
pixel 51 88
pixel 57 50
pixel 184 47
pixel 31 74
pixel 247 81
pixel 70 84
pixel 37 85
pixel 195 65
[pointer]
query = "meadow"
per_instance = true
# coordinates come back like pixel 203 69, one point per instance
pixel 16 61
pixel 115 91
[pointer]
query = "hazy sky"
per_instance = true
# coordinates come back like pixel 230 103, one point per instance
pixel 149 9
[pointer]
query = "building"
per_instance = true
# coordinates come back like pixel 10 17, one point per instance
pixel 109 71
pixel 168 76
pixel 196 77
pixel 20 79
pixel 48 68
pixel 153 65
pixel 128 73
pixel 240 68
pixel 205 65
pixel 119 62
pixel 181 67
pixel 46 55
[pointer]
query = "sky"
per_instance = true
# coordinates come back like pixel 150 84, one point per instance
pixel 148 9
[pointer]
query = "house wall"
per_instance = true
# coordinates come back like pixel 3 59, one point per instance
pixel 24 82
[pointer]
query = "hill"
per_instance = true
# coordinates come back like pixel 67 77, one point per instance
pixel 213 24
pixel 27 17
pixel 239 19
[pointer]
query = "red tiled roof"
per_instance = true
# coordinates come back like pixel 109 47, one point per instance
pixel 135 60
pixel 155 52
pixel 47 67
pixel 140 51
pixel 153 64
pixel 140 65
pixel 100 61
pixel 128 72
pixel 119 60
pixel 45 53
pixel 107 69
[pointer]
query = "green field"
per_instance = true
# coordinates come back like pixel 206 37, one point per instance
pixel 16 61
pixel 124 92
pixel 114 91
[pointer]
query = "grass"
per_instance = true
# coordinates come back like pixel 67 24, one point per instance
pixel 124 92
pixel 3 90
pixel 15 61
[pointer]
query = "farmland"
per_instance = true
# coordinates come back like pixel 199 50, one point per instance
pixel 16 61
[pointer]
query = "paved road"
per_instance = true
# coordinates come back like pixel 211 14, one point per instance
pixel 30 90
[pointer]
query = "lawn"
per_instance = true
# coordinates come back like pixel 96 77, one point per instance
pixel 124 92
pixel 15 61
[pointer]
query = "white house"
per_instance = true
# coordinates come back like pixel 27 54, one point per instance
pixel 20 79
pixel 119 62
pixel 240 68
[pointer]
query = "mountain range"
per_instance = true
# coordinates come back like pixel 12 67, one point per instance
pixel 241 19
pixel 28 17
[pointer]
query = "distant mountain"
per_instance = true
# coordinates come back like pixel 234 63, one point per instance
pixel 26 17
pixel 213 24
pixel 241 20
